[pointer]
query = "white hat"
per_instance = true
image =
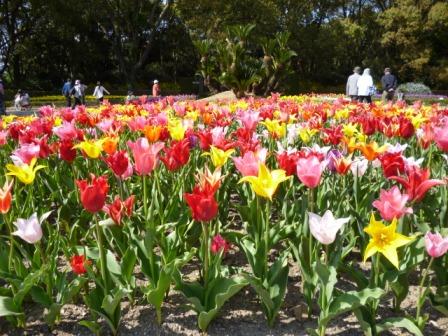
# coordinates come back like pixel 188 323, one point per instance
pixel 77 82
pixel 155 81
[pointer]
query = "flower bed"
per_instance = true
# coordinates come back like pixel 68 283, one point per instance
pixel 115 204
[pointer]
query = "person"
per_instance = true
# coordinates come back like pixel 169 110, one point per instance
pixel 156 88
pixel 352 87
pixel 66 92
pixel 365 86
pixel 98 93
pixel 2 98
pixel 389 85
pixel 130 97
pixel 78 92
pixel 17 98
pixel 25 100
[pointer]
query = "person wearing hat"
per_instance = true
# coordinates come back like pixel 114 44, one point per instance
pixel 2 99
pixel 156 88
pixel 389 84
pixel 78 92
pixel 352 84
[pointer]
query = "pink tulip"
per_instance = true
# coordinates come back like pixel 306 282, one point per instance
pixel 441 137
pixel 25 153
pixel 392 204
pixel 249 164
pixel 145 155
pixel 249 119
pixel 435 244
pixel 29 230
pixel 325 228
pixel 309 170
pixel 3 138
pixel 67 131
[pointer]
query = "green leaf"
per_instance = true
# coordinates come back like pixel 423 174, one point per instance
pixel 128 263
pixel 398 322
pixel 439 303
pixel 223 289
pixel 8 307
pixel 111 301
pixel 350 301
pixel 40 296
pixel 112 264
pixel 327 276
pixel 93 326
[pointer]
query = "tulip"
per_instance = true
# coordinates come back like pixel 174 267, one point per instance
pixel 93 194
pixel 67 131
pixel 218 156
pixel 393 164
pixel 441 137
pixel 288 162
pixel 110 144
pixel 202 204
pixel 385 240
pixel 119 207
pixel 266 183
pixel 92 148
pixel 371 150
pixel 392 204
pixel 309 170
pixel 435 244
pixel 177 155
pixel 66 151
pixel 25 173
pixel 359 167
pixel 153 132
pixel 29 230
pixel 275 128
pixel 120 164
pixel 145 155
pixel 25 154
pixel 78 263
pixel 325 228
pixel 176 129
pixel 6 197
pixel 248 164
pixel 219 244
pixel 417 182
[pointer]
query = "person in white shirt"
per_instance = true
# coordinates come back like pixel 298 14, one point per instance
pixel 365 85
pixel 98 93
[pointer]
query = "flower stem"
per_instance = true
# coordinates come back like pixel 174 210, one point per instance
pixel 420 290
pixel 11 244
pixel 205 243
pixel 145 197
pixel 266 236
pixel 99 237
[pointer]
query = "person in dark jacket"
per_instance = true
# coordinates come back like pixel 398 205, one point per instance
pixel 66 92
pixel 389 84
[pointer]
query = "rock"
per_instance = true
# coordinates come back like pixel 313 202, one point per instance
pixel 301 312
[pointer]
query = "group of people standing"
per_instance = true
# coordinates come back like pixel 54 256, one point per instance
pixel 78 93
pixel 361 87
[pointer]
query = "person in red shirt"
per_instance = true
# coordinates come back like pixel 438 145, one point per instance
pixel 156 88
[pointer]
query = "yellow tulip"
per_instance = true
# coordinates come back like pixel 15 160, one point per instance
pixel 384 240
pixel 266 183
pixel 349 130
pixel 176 129
pixel 92 148
pixel 275 127
pixel 25 173
pixel 218 156
pixel 306 134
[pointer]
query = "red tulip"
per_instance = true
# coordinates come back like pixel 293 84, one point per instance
pixel 119 207
pixel 287 162
pixel 218 244
pixel 6 197
pixel 392 163
pixel 333 135
pixel 406 128
pixel 78 262
pixel 66 151
pixel 118 162
pixel 93 195
pixel 202 204
pixel 417 182
pixel 177 155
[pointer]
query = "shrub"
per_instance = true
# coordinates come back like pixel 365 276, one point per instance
pixel 415 88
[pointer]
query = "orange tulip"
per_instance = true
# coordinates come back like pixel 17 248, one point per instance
pixel 110 144
pixel 6 197
pixel 371 150
pixel 152 132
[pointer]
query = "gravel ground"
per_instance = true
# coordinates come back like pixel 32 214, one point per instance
pixel 242 315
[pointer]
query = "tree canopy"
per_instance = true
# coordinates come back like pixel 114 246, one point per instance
pixel 127 42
